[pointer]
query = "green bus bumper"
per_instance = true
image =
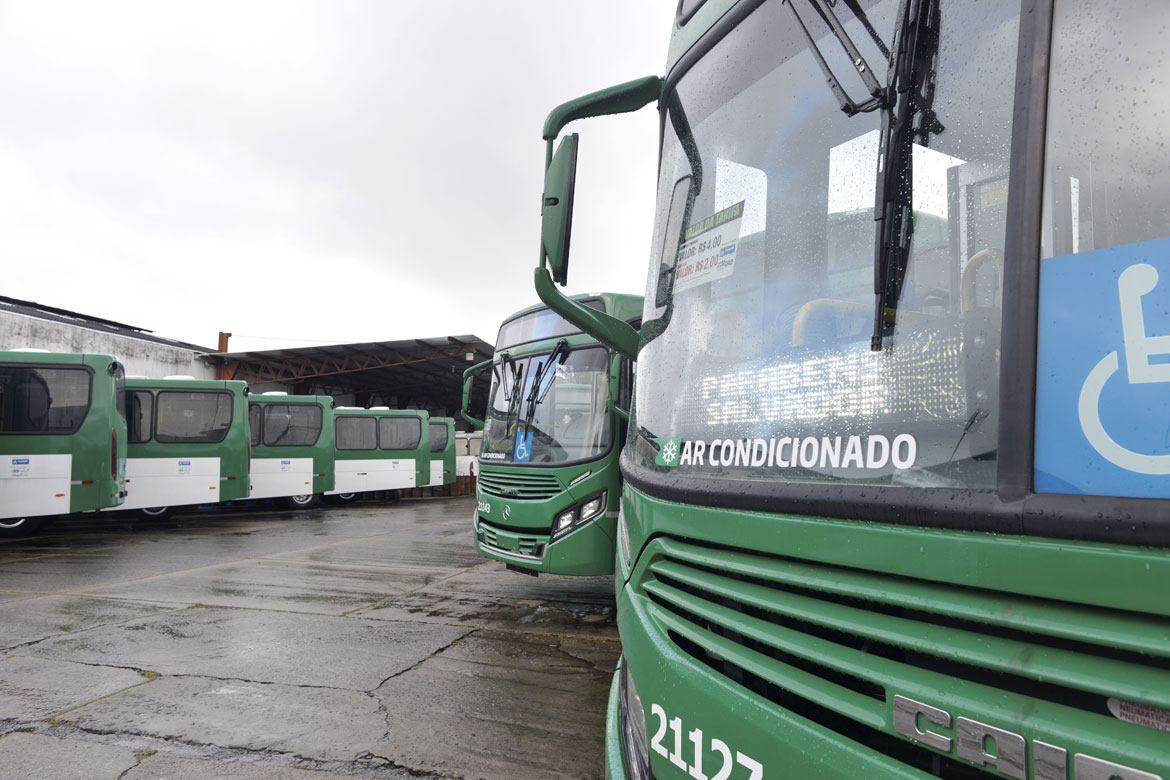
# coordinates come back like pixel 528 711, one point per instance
pixel 587 551
pixel 615 768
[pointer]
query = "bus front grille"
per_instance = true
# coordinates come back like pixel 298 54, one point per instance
pixel 836 645
pixel 508 484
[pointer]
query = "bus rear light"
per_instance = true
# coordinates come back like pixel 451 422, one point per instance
pixel 87 481
pixel 60 495
pixel 113 454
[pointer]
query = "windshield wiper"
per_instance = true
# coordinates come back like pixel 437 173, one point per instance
pixel 664 292
pixel 878 94
pixel 910 83
pixel 536 394
pixel 512 396
pixel 498 371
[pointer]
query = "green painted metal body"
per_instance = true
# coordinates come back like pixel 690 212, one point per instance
pixel 586 551
pixel 443 459
pixel 97 448
pixel 233 450
pixel 322 452
pixel 958 611
pixel 517 529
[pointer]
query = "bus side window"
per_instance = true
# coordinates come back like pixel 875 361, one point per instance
pixel 139 405
pixel 254 424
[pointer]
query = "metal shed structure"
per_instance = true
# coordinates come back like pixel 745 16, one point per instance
pixel 417 373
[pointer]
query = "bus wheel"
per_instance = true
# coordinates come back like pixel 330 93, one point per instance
pixel 155 512
pixel 345 498
pixel 301 502
pixel 20 526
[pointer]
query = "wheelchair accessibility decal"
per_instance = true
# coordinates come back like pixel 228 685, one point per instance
pixel 523 450
pixel 1103 373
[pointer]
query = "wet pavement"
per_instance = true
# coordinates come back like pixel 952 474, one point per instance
pixel 357 641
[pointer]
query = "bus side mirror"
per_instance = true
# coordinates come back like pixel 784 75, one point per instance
pixel 468 376
pixel 560 169
pixel 556 209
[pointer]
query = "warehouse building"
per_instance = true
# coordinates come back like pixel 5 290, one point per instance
pixel 29 325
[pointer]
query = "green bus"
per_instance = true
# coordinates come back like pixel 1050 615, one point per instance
pixel 62 434
pixel 896 482
pixel 292 447
pixel 379 449
pixel 442 451
pixel 188 443
pixel 548 480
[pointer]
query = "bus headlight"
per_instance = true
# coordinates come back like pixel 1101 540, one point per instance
pixel 635 743
pixel 578 515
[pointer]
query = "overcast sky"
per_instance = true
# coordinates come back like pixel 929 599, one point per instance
pixel 353 170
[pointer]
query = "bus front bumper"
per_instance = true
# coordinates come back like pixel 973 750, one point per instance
pixel 615 768
pixel 588 550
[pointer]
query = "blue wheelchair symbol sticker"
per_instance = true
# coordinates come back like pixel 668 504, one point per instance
pixel 523 451
pixel 1103 373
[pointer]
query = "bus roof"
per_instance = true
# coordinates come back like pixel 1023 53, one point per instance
pixel 38 356
pixel 234 385
pixel 356 410
pixel 620 305
pixel 268 398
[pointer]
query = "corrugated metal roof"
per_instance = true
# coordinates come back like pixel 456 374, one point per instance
pixel 428 372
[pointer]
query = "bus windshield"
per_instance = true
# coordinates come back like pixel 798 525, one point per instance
pixel 764 363
pixel 539 325
pixel 549 408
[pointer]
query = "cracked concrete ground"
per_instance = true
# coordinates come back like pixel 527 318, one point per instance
pixel 361 641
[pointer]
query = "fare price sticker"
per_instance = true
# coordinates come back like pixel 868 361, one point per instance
pixel 708 247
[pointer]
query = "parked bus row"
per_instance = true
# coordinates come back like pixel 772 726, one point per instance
pixel 77 435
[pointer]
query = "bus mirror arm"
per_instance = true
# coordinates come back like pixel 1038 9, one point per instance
pixel 610 331
pixel 620 412
pixel 467 377
pixel 618 99
pixel 560 169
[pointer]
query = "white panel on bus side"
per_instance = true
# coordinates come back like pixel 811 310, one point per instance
pixel 356 476
pixel 391 474
pixel 465 465
pixel 274 477
pixel 33 485
pixel 436 473
pixel 349 476
pixel 152 482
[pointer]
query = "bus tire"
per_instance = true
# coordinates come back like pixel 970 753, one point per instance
pixel 345 498
pixel 20 526
pixel 155 512
pixel 301 502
